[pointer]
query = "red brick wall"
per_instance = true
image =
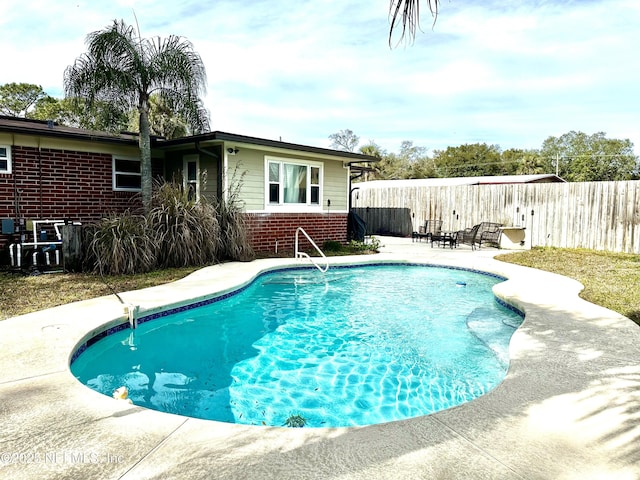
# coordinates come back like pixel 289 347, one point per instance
pixel 58 184
pixel 266 229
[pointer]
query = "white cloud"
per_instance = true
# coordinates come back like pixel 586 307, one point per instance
pixel 510 73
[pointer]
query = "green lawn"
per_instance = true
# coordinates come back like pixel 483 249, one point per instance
pixel 23 294
pixel 611 280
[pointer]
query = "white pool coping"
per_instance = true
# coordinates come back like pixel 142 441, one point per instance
pixel 569 407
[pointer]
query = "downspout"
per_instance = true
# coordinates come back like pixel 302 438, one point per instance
pixel 351 179
pixel 16 192
pixel 16 205
pixel 352 189
pixel 224 193
pixel 40 178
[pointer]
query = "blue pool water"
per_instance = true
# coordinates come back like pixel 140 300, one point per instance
pixel 353 346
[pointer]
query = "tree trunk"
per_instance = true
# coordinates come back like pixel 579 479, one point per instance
pixel 146 183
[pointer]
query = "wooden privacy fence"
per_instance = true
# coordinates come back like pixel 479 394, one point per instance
pixel 594 215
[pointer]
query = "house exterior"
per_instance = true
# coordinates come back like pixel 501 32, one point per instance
pixel 49 171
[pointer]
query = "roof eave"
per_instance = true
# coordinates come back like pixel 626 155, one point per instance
pixel 69 135
pixel 232 137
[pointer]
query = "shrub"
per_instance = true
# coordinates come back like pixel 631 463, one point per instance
pixel 331 246
pixel 371 244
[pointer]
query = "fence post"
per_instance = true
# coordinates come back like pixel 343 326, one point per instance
pixel 72 248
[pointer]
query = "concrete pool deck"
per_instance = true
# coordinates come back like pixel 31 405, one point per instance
pixel 569 407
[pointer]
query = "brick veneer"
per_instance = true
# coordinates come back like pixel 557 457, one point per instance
pixel 58 184
pixel 266 229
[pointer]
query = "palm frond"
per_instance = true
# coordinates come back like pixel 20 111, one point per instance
pixel 180 79
pixel 407 13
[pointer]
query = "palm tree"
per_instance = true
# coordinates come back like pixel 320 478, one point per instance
pixel 124 69
pixel 407 12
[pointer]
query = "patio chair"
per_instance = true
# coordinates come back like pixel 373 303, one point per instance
pixel 420 234
pixel 468 236
pixel 485 232
pixel 427 230
pixel 489 233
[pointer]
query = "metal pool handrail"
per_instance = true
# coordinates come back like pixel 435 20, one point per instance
pixel 299 254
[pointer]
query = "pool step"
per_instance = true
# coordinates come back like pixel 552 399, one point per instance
pixel 311 278
pixel 483 324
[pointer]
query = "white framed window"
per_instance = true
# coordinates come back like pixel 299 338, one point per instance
pixel 5 159
pixel 190 175
pixel 126 174
pixel 293 182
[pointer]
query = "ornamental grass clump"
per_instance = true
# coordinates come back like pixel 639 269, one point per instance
pixel 178 231
pixel 234 237
pixel 121 244
pixel 185 231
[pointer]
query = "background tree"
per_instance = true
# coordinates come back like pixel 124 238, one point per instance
pixel 416 160
pixel 422 168
pixel 411 162
pixel 581 158
pixel 410 152
pixel 469 160
pixel 373 149
pixel 391 167
pixel 344 140
pixel 510 159
pixel 101 116
pixel 18 99
pixel 123 69
pixel 50 108
pixel 163 121
pixel 526 162
pixel 578 157
pixel 517 161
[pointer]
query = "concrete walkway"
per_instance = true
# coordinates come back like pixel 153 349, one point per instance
pixel 569 407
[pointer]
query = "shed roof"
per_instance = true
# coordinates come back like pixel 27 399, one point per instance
pixel 454 181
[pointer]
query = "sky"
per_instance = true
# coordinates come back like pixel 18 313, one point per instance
pixel 510 73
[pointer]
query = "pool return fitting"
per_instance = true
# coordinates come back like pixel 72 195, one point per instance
pixel 131 312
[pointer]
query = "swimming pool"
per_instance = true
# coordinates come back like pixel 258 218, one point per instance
pixel 354 346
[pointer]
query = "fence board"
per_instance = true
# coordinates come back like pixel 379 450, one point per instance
pixel 595 215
